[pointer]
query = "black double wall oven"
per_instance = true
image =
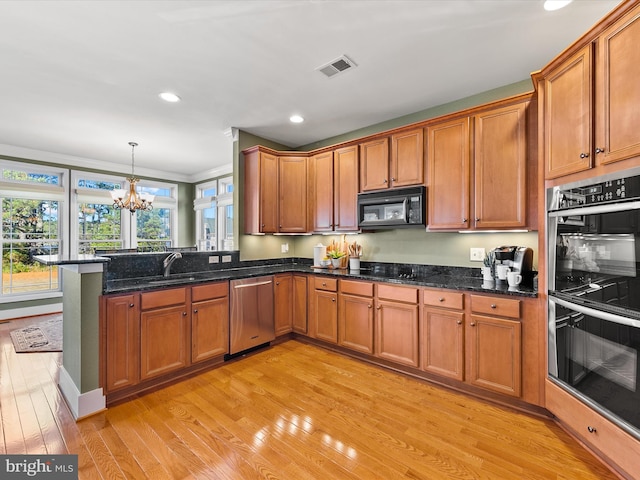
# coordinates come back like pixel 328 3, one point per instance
pixel 594 294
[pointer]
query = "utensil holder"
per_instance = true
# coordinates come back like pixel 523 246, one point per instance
pixel 354 263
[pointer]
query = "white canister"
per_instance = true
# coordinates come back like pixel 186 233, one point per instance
pixel 319 252
pixel 354 263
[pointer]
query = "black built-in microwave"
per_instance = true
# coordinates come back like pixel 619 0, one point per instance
pixel 395 208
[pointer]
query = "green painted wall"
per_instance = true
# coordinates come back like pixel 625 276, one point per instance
pixel 401 245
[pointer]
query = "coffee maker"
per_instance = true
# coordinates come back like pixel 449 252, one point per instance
pixel 518 259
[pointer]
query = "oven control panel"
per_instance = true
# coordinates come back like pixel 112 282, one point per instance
pixel 620 189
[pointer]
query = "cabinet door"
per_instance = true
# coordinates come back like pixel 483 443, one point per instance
pixel 268 193
pixel 568 116
pixel 618 91
pixel 292 185
pixel 122 317
pixel 345 184
pixel 494 360
pixel 163 340
pixel 209 329
pixel 326 308
pixel 448 180
pixel 283 303
pixel 500 167
pixel 407 158
pixel 355 323
pixel 374 165
pixel 442 341
pixel 321 189
pixel 300 303
pixel 397 332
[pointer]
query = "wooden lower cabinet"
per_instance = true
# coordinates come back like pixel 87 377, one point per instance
pixel 300 303
pixel 355 316
pixel 209 321
pixel 163 341
pixel 494 360
pixel 397 324
pixel 283 303
pixel 324 310
pixel 150 334
pixel 442 340
pixel 121 344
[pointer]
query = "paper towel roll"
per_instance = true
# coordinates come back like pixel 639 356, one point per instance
pixel 319 252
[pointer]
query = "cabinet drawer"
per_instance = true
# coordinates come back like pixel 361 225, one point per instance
pixel 398 294
pixel 209 291
pixel 503 307
pixel 163 298
pixel 324 283
pixel 364 289
pixel 438 298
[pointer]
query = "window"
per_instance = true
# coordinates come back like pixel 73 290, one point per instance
pixel 214 214
pixel 33 213
pixel 99 226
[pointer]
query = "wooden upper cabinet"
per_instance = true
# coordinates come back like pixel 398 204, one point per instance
pixel 407 158
pixel 618 90
pixel 374 164
pixel 448 154
pixel 345 189
pixel 292 188
pixel 260 192
pixel 500 167
pixel 568 115
pixel 333 191
pixel 321 190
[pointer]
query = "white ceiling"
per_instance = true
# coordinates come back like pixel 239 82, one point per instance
pixel 80 79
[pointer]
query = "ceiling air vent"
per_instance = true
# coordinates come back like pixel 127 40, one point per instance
pixel 339 65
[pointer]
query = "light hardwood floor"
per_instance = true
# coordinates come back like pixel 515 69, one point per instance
pixel 293 411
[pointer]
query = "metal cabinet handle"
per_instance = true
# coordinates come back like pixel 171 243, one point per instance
pixel 384 181
pixel 459 322
pixel 393 179
pixel 477 219
pixel 464 220
pixel 195 311
pixel 333 299
pixel 131 305
pixel 599 150
pixel 473 324
pixel 248 285
pixel 277 283
pixel 591 429
pixel 493 305
pixel 441 299
pixel 184 314
pixel 324 284
pixel 369 305
pixel 584 155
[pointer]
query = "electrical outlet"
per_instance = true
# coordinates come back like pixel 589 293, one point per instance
pixel 284 248
pixel 226 258
pixel 476 254
pixel 214 259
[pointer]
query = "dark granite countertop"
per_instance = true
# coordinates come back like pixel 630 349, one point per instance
pixel 444 279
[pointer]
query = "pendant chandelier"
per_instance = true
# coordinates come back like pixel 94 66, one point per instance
pixel 132 200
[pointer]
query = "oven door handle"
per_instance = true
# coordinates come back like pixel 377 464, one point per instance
pixel 596 313
pixel 596 209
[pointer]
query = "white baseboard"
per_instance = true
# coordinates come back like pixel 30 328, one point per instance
pixel 81 404
pixel 31 311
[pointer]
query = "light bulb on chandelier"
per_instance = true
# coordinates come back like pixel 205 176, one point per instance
pixel 132 200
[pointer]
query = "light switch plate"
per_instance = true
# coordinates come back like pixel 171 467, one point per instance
pixel 214 259
pixel 476 254
pixel 284 248
pixel 226 258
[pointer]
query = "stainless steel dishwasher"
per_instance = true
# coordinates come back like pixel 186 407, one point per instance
pixel 251 321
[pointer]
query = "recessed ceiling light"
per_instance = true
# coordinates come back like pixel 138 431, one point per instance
pixel 296 119
pixel 551 5
pixel 169 97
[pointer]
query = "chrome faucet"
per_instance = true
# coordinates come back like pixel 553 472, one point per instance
pixel 172 257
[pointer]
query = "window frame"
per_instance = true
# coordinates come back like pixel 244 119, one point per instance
pixel 35 191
